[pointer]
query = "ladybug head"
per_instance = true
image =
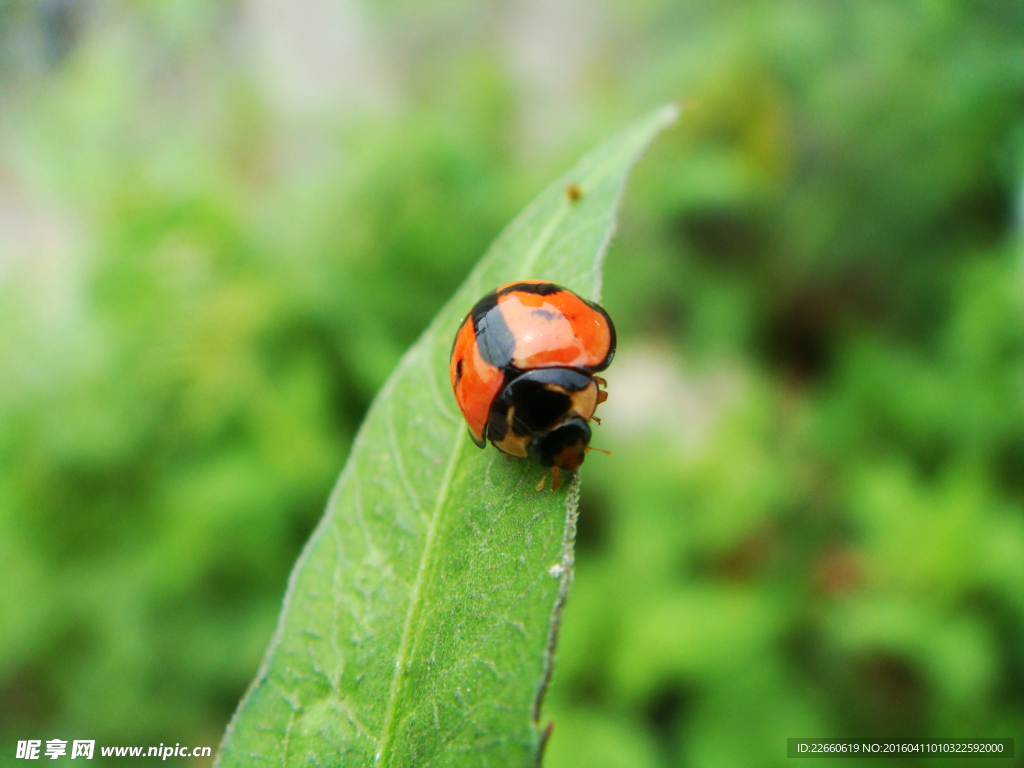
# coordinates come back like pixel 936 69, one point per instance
pixel 564 446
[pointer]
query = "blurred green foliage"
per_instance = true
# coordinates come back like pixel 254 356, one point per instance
pixel 221 225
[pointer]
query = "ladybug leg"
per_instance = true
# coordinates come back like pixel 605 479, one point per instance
pixel 594 418
pixel 601 382
pixel 556 479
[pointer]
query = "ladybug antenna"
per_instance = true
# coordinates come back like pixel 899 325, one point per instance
pixel 599 450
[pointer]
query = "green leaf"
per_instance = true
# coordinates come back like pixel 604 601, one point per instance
pixel 420 621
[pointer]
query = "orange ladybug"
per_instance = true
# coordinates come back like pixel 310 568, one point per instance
pixel 522 369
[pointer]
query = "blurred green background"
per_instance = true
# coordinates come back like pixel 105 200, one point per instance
pixel 222 223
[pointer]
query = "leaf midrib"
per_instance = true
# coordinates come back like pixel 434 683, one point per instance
pixel 414 597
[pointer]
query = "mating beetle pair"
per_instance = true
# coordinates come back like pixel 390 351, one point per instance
pixel 522 369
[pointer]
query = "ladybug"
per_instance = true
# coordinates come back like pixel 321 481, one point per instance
pixel 522 369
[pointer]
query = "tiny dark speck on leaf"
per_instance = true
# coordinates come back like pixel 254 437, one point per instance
pixel 573 192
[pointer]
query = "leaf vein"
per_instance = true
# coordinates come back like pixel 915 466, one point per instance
pixel 396 454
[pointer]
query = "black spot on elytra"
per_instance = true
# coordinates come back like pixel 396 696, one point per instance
pixel 493 336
